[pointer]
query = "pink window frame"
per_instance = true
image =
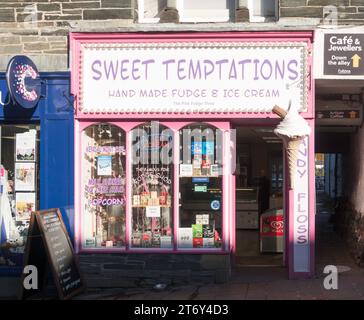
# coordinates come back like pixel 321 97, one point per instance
pixel 80 126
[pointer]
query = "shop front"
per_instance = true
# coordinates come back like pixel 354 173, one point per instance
pixel 36 149
pixel 159 120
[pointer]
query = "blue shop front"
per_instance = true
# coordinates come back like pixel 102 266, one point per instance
pixel 36 162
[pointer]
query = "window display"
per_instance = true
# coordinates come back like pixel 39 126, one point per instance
pixel 19 188
pixel 151 196
pixel 152 186
pixel 103 201
pixel 200 183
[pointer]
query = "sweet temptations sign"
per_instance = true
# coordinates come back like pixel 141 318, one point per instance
pixel 186 77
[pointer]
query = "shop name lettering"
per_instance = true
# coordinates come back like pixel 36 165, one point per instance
pixel 196 69
pixel 248 70
pixel 302 208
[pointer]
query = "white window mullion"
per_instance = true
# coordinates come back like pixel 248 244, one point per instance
pixel 189 11
pixel 260 11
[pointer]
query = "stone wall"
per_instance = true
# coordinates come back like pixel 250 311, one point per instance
pixel 349 215
pixel 145 270
pixel 40 28
pixel 349 223
pixel 348 11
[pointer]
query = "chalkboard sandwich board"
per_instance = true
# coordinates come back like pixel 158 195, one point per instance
pixel 49 246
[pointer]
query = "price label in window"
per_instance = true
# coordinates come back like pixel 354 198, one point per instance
pixel 199 188
pixel 104 165
pixel 153 211
pixel 185 238
pixel 185 170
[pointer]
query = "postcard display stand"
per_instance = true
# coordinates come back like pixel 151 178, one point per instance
pixel 25 175
pixel 8 228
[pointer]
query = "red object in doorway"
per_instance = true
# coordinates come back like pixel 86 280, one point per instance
pixel 272 226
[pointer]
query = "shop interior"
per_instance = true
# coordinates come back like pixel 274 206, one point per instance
pixel 19 188
pixel 259 197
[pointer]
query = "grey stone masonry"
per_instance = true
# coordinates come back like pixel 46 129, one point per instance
pixel 145 270
pixel 344 12
pixel 40 28
pixel 349 224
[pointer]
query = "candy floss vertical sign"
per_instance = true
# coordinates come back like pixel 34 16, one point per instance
pixel 301 245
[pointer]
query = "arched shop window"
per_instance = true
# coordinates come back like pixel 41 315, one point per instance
pixel 103 187
pixel 152 186
pixel 200 187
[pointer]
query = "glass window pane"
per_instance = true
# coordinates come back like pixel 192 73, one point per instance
pixel 264 8
pixel 19 188
pixel 103 187
pixel 200 186
pixel 206 5
pixel 152 186
pixel 205 11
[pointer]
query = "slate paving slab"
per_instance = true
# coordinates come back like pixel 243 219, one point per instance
pixel 246 283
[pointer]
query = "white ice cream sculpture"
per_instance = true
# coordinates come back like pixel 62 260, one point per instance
pixel 292 130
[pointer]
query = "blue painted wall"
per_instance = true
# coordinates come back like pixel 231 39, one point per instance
pixel 55 114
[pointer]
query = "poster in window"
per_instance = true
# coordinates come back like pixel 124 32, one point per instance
pixel 214 170
pixel 185 170
pixel 196 148
pixel 202 219
pixel 185 238
pixel 25 146
pixel 153 211
pixel 166 242
pixel 25 176
pixel 197 230
pixel 24 204
pixel 197 242
pixel 104 167
pixel 208 148
pixel 208 243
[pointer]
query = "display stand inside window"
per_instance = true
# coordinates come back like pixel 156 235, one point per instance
pixel 19 188
pixel 200 186
pixel 152 188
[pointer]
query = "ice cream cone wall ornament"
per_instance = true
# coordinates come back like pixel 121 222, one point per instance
pixel 292 130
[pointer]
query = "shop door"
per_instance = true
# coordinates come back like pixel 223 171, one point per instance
pixel 19 188
pixel 259 198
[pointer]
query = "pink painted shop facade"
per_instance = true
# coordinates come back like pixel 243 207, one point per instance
pixel 156 117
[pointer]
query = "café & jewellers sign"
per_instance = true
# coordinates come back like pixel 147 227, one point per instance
pixel 226 77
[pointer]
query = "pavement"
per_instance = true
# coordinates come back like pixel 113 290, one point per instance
pixel 255 283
